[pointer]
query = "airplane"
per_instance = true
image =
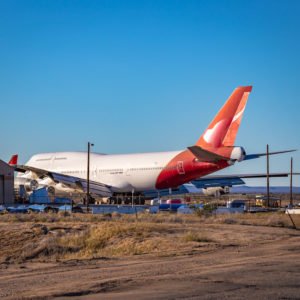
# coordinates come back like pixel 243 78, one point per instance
pixel 146 173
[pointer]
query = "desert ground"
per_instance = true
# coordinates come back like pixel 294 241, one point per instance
pixel 149 256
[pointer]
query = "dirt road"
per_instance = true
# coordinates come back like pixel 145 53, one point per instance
pixel 255 262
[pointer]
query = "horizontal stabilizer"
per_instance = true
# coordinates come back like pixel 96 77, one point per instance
pixel 257 155
pixel 205 155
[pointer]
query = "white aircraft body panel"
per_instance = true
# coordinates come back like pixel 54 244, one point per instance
pixel 123 172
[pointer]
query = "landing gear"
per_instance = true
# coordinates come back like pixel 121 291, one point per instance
pixel 126 199
pixel 115 200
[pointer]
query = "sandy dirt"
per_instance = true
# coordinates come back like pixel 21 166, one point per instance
pixel 246 262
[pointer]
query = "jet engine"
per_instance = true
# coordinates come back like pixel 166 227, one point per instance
pixel 50 190
pixel 216 191
pixel 31 185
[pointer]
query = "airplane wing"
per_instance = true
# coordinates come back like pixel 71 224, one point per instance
pixel 211 181
pixel 70 181
pixel 217 182
pixel 230 180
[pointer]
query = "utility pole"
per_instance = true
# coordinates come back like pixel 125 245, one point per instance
pixel 268 179
pixel 170 192
pixel 132 195
pixel 88 177
pixel 291 183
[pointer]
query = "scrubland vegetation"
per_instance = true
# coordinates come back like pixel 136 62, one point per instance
pixel 81 236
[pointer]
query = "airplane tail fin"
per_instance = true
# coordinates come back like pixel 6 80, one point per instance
pixel 14 160
pixel 224 127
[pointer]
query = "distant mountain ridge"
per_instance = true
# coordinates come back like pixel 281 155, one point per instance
pixel 263 189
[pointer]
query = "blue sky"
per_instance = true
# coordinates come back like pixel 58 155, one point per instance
pixel 141 76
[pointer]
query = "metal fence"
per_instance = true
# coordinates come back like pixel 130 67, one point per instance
pixel 281 200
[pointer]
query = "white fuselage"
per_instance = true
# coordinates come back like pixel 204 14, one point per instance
pixel 123 172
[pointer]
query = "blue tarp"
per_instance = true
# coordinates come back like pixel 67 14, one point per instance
pixel 38 208
pixel 39 196
pixel 120 209
pixel 62 200
pixel 165 206
pixel 17 209
pixel 65 208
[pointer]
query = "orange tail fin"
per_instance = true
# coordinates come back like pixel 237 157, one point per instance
pixel 224 127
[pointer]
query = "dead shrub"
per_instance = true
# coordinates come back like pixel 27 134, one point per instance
pixel 116 215
pixel 64 213
pixel 230 220
pixel 94 218
pixel 39 229
pixel 14 219
pixel 192 236
pixel 176 219
pixel 48 247
pixel 110 235
pixel 276 221
pixel 107 215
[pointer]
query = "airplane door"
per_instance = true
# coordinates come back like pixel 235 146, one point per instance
pixel 94 172
pixel 127 169
pixel 180 167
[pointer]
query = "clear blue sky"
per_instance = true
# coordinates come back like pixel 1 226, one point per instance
pixel 140 76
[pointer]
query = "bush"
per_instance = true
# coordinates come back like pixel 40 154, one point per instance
pixel 46 247
pixel 276 221
pixel 64 213
pixel 230 220
pixel 192 236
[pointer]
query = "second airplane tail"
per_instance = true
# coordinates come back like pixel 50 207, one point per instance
pixel 14 160
pixel 223 129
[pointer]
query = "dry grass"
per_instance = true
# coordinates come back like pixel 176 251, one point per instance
pixel 192 236
pixel 115 239
pixel 46 248
pixel 258 219
pixel 64 240
pixel 55 236
pixel 273 219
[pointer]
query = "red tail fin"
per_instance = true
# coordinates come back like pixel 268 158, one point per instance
pixel 14 160
pixel 224 127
